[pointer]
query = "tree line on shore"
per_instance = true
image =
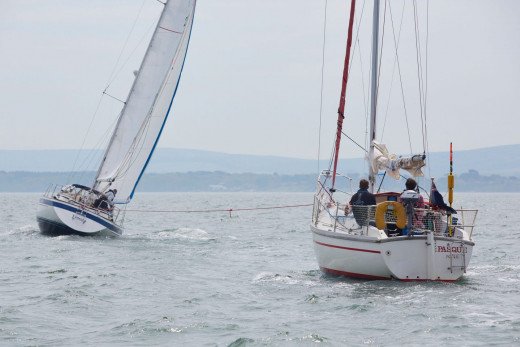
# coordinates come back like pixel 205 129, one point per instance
pixel 204 181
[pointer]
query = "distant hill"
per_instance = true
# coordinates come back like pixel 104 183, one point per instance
pixel 501 160
pixel 204 181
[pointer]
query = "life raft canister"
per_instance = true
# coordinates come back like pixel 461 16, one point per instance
pixel 398 210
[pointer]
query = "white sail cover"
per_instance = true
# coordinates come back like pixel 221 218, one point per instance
pixel 383 160
pixel 148 104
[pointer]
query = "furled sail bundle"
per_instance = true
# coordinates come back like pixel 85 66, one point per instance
pixel 383 160
pixel 148 104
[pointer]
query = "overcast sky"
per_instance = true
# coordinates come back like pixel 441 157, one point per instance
pixel 251 82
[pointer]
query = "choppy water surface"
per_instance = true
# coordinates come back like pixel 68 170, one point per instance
pixel 252 279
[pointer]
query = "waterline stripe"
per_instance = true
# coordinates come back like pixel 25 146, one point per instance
pixel 348 248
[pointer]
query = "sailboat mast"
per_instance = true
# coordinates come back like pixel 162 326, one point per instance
pixel 341 108
pixel 373 93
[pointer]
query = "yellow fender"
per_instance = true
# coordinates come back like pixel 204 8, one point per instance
pixel 398 210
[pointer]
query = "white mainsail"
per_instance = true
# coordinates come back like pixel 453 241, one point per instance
pixel 383 160
pixel 148 104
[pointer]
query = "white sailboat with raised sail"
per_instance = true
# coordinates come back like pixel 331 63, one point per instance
pixel 394 238
pixel 78 209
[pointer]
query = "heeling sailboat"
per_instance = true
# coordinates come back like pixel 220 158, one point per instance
pixel 394 238
pixel 77 209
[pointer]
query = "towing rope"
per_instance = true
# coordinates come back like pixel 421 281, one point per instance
pixel 230 210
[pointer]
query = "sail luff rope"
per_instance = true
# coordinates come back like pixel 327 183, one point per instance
pixel 322 78
pixel 341 108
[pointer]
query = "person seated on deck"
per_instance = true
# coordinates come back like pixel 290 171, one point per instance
pixel 411 184
pixel 359 204
pixel 106 201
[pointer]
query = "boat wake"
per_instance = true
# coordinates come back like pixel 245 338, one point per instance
pixel 26 230
pixel 186 234
pixel 304 278
pixel 189 234
pixel 274 277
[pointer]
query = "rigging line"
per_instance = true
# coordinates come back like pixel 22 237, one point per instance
pixel 422 90
pixel 391 79
pixel 381 183
pixel 125 45
pixel 354 141
pixel 84 138
pixel 381 55
pixel 146 33
pixel 113 97
pixel 108 83
pixel 331 160
pixel 419 68
pixel 172 31
pixel 365 101
pixel 356 40
pixel 322 74
pixel 344 81
pixel 365 104
pixel 87 162
pixel 396 44
pixel 350 66
pixel 357 44
pixel 426 87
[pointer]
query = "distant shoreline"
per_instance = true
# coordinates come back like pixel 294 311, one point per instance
pixel 218 181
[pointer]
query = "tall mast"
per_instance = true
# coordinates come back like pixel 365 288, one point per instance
pixel 373 93
pixel 341 108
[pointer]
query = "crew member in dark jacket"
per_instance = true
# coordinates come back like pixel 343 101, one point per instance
pixel 362 198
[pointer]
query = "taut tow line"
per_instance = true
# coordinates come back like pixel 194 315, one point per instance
pixel 230 210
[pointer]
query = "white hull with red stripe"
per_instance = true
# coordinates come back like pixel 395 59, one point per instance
pixel 376 256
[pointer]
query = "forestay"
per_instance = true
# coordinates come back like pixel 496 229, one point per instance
pixel 148 104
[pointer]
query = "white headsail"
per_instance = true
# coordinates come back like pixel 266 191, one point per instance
pixel 148 104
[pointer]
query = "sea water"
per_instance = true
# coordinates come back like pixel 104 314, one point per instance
pixel 245 278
